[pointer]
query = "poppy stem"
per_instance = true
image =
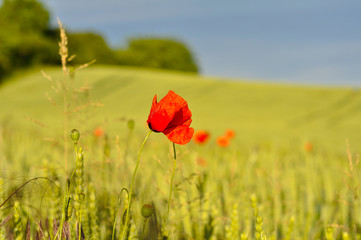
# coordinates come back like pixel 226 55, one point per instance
pixel 171 180
pixel 131 186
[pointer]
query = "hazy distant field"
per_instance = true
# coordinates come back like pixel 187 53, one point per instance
pixel 264 182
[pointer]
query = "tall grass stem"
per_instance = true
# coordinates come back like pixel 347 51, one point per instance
pixel 131 185
pixel 63 52
pixel 171 180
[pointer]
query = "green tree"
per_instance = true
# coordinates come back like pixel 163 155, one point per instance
pixel 158 53
pixel 25 15
pixel 88 47
pixel 23 41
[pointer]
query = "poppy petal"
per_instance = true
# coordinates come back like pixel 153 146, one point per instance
pixel 165 110
pixel 172 103
pixel 152 110
pixel 154 103
pixel 180 135
pixel 181 117
pixel 187 123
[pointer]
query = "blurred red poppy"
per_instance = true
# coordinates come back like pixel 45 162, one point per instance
pixel 98 132
pixel 223 141
pixel 172 117
pixel 230 134
pixel 202 162
pixel 201 137
pixel 308 147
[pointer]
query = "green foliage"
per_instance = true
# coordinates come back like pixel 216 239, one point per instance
pixel 26 40
pixel 158 53
pixel 92 212
pixel 88 47
pixel 23 42
pixel 18 225
pixel 232 230
pixel 265 171
pixel 2 229
pixel 25 15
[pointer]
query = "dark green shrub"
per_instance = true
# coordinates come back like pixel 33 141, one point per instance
pixel 25 15
pixel 158 53
pixel 22 39
pixel 90 46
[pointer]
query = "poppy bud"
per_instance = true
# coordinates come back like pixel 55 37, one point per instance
pixel 75 135
pixel 147 210
pixel 131 124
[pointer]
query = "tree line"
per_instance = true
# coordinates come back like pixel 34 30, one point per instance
pixel 26 39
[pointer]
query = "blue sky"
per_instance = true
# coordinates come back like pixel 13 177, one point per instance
pixel 317 42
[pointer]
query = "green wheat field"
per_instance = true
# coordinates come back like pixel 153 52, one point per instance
pixel 265 185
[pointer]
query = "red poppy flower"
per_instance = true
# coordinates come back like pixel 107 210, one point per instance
pixel 201 137
pixel 308 147
pixel 98 132
pixel 229 134
pixel 172 117
pixel 223 141
pixel 202 162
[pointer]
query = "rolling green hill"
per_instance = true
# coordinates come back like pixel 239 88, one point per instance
pixel 260 113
